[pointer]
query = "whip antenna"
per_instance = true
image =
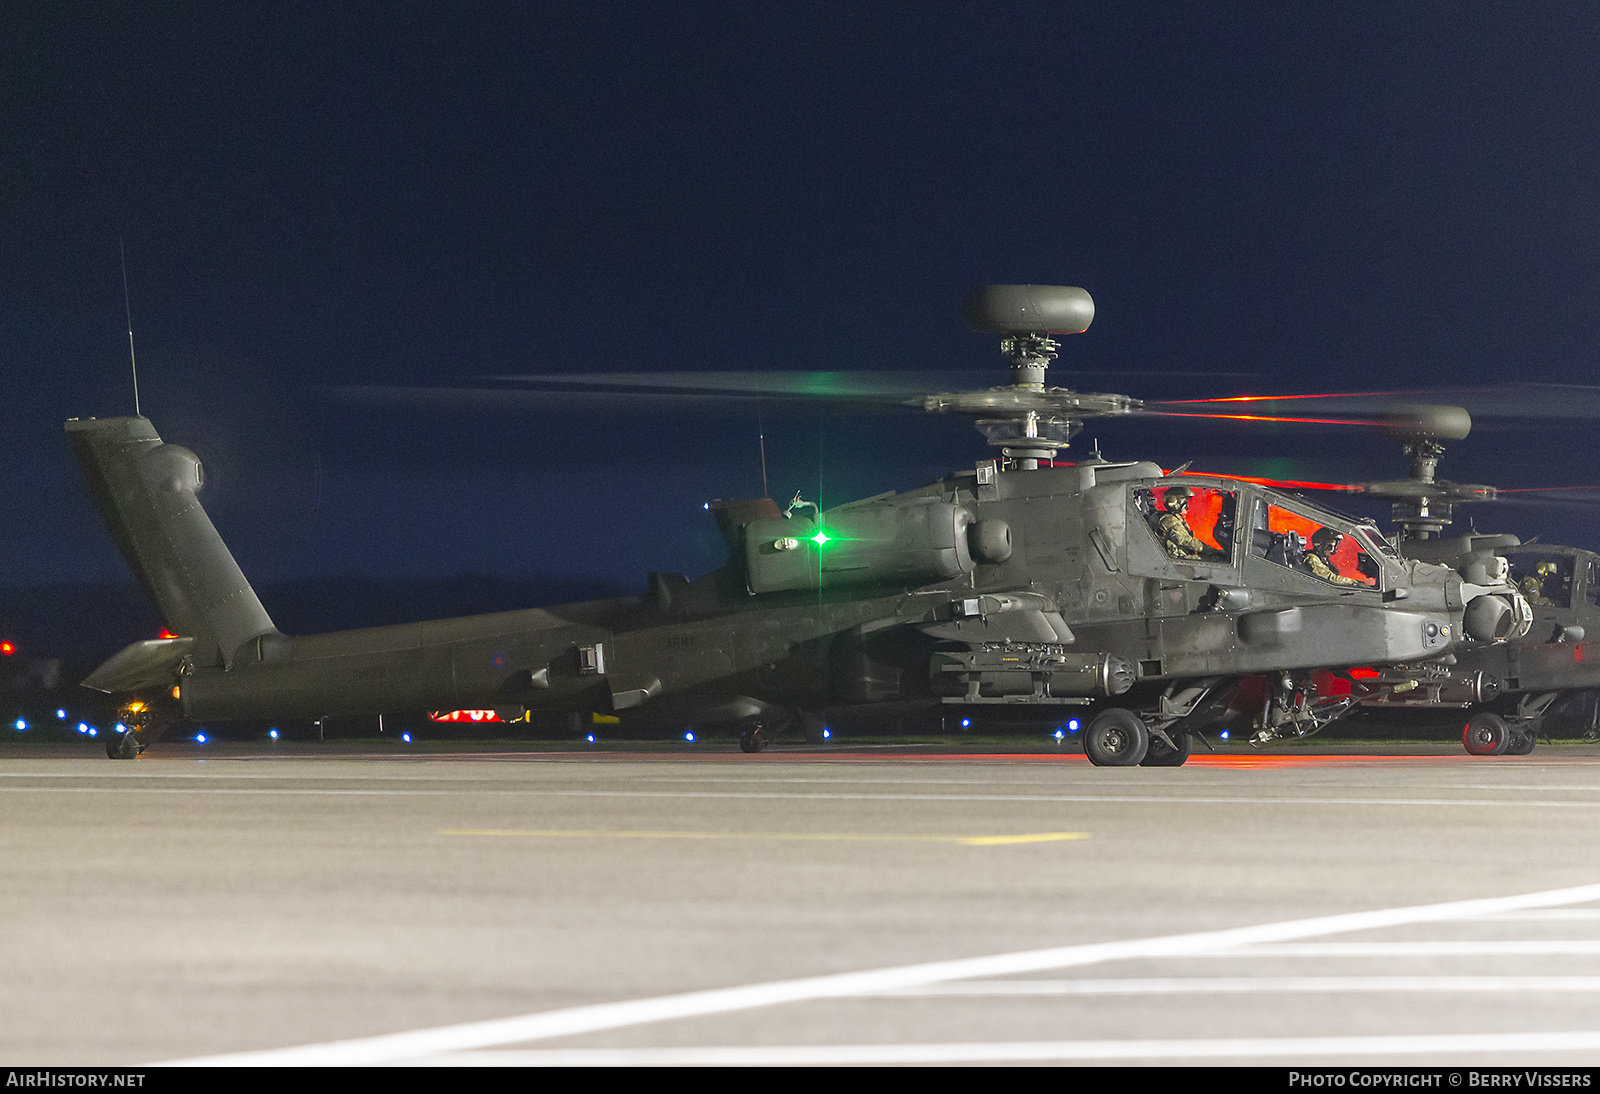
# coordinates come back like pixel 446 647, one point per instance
pixel 128 308
pixel 761 436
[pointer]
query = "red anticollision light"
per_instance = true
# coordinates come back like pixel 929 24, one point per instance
pixel 463 716
pixel 7 648
pixel 166 633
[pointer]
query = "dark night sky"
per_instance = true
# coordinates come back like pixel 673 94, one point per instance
pixel 1323 196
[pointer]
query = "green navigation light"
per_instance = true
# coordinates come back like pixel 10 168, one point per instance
pixel 820 538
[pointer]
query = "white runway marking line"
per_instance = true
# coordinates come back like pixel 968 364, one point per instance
pixel 1010 840
pixel 415 1044
pixel 1079 799
pixel 1543 916
pixel 1250 985
pixel 1451 1046
pixel 1554 947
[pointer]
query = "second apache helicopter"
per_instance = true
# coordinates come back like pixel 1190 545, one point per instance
pixel 1142 596
pixel 1510 687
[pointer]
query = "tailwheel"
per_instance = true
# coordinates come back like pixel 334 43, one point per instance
pixel 124 746
pixel 1116 738
pixel 753 740
pixel 140 723
pixel 1161 754
pixel 1486 735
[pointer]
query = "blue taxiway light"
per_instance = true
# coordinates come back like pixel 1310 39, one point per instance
pixel 201 737
pixel 1223 735
pixel 1072 726
pixel 1059 735
pixel 591 738
pixel 406 737
pixel 965 722
pixel 688 736
pixel 826 734
pixel 62 715
pixel 21 725
pixel 273 734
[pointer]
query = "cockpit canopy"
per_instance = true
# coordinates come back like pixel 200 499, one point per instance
pixel 1199 523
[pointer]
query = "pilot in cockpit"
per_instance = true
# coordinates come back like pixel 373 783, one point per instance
pixel 1319 560
pixel 1173 529
pixel 1533 585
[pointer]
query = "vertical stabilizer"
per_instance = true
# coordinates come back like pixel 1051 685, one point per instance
pixel 146 490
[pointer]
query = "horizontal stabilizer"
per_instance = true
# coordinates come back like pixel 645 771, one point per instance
pixel 147 664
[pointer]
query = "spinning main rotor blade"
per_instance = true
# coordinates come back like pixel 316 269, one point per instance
pixel 1517 400
pixel 870 385
pixel 1147 412
pixel 970 391
pixel 1574 496
pixel 892 389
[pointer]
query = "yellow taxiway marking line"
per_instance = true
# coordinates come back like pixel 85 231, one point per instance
pixel 595 833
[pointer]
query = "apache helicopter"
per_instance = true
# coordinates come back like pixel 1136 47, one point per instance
pixel 1139 595
pixel 1515 684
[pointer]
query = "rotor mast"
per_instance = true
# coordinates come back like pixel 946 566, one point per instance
pixel 1425 515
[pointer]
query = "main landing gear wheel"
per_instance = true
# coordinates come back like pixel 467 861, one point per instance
pixel 1116 738
pixel 753 740
pixel 1486 735
pixel 1161 754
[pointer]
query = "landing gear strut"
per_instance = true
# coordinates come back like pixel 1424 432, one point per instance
pixel 1161 754
pixel 1523 740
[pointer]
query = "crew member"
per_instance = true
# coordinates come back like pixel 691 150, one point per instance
pixel 1325 541
pixel 1173 529
pixel 1532 586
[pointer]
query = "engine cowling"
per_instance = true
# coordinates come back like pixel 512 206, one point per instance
pixel 915 543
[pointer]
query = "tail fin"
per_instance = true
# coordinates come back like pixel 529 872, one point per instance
pixel 146 490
